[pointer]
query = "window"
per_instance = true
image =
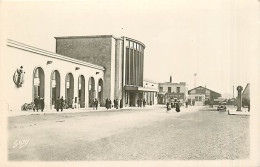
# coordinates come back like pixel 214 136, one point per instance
pixel 200 98
pixel 36 75
pixel 53 75
pixel 169 89
pixel 131 44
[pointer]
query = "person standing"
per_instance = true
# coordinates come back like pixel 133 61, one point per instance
pixel 96 104
pixel 61 103
pixel 110 103
pixel 57 104
pixel 144 102
pixel 36 103
pixel 177 107
pixel 168 108
pixel 114 103
pixel 107 105
pixel 93 103
pixel 121 103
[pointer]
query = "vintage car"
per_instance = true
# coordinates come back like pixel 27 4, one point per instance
pixel 221 107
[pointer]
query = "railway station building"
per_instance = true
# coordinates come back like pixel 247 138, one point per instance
pixel 122 58
pixel 30 72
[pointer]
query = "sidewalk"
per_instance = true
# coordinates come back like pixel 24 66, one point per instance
pixel 233 111
pixel 77 110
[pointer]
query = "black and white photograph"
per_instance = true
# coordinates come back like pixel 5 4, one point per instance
pixel 130 83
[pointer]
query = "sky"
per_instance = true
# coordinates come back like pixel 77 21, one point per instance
pixel 212 38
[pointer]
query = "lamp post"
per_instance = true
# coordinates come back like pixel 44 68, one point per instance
pixel 239 97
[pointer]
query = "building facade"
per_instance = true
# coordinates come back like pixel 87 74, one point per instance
pixel 32 72
pixel 123 59
pixel 202 96
pixel 169 90
pixel 150 96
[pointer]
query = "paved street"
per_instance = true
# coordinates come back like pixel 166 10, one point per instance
pixel 196 133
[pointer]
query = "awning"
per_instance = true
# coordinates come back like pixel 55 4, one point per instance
pixel 139 88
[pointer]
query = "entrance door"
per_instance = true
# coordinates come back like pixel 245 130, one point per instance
pixel 132 99
pixel 55 87
pixel 91 92
pixel 81 91
pixel 69 90
pixel 38 83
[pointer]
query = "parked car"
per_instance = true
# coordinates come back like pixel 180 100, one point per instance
pixel 221 107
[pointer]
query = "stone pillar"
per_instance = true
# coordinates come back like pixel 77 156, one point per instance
pixel 239 98
pixel 123 71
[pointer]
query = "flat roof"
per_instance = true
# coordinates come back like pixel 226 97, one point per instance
pixel 88 36
pixel 35 50
pixel 151 81
pixel 101 36
pixel 173 83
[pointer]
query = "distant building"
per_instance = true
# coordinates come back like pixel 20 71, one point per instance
pixel 151 92
pixel 202 96
pixel 169 90
pixel 246 96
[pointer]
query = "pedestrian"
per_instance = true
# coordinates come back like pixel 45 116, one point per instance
pixel 140 101
pixel 61 103
pixel 116 104
pixel 177 107
pixel 168 108
pixel 93 103
pixel 36 103
pixel 186 104
pixel 96 104
pixel 42 103
pixel 121 103
pixel 107 103
pixel 57 104
pixel 144 102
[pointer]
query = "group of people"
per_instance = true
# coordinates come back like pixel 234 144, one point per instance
pixel 141 102
pixel 117 104
pixel 95 104
pixel 169 106
pixel 38 103
pixel 59 104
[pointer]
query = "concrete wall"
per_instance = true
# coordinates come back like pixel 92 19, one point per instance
pixel 15 97
pixel 97 50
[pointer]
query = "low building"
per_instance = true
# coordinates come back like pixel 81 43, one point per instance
pixel 30 72
pixel 169 90
pixel 202 96
pixel 151 93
